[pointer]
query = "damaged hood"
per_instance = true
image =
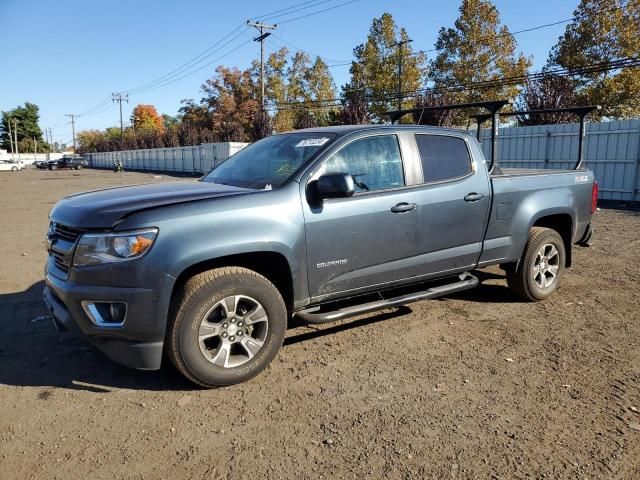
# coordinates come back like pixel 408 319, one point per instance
pixel 104 208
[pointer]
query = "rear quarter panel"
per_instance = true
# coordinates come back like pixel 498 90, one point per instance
pixel 521 200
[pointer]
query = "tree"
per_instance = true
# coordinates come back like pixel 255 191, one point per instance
pixel 374 71
pixel 91 140
pixel 146 118
pixel 440 118
pixel 549 92
pixel 276 87
pixel 320 89
pixel 478 49
pixel 603 30
pixel 28 118
pixel 232 102
pixel 355 110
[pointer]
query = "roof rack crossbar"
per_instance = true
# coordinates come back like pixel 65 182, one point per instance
pixel 580 111
pixel 493 107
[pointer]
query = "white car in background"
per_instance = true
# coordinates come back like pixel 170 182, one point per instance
pixel 10 166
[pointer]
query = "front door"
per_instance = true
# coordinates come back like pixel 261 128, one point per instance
pixel 367 239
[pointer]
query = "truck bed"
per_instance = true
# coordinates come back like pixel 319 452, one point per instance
pixel 519 172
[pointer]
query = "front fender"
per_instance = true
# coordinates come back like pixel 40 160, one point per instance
pixel 195 232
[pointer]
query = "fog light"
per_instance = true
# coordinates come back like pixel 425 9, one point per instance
pixel 106 314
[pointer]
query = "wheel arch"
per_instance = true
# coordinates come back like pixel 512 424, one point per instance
pixel 563 224
pixel 271 265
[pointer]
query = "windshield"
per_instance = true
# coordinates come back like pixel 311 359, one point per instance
pixel 270 162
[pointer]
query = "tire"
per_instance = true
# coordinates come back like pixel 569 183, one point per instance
pixel 14 169
pixel 229 354
pixel 79 167
pixel 53 167
pixel 528 280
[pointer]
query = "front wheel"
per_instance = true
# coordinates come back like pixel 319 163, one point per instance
pixel 227 326
pixel 540 269
pixel 14 169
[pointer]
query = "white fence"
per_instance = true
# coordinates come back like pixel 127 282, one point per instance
pixel 612 151
pixel 195 159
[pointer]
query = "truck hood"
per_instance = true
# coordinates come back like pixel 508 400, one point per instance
pixel 104 208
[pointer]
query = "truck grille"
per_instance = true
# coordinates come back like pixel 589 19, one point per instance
pixel 66 233
pixel 62 254
pixel 63 262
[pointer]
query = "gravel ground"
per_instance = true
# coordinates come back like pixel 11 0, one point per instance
pixel 475 385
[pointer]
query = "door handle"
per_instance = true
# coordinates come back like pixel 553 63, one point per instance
pixel 403 207
pixel 473 197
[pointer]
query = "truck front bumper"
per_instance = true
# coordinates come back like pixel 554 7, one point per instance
pixel 138 342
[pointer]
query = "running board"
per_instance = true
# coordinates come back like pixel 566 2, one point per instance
pixel 312 315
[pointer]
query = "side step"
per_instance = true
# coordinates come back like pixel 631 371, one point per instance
pixel 312 315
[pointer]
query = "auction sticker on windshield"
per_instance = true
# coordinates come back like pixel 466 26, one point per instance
pixel 311 142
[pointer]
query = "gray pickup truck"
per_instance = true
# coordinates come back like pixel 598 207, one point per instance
pixel 319 224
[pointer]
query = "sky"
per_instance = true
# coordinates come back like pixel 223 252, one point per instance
pixel 68 56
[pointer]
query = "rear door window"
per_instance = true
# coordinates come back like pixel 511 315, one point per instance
pixel 443 157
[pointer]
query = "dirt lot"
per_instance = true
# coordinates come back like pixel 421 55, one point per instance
pixel 478 385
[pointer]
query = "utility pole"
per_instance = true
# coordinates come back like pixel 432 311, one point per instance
pixel 10 137
pixel 73 128
pixel 400 44
pixel 15 136
pixel 119 97
pixel 260 38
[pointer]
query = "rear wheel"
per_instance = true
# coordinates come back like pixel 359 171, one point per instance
pixel 14 169
pixel 228 324
pixel 53 167
pixel 540 269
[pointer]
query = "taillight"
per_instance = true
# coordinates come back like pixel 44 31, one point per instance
pixel 594 197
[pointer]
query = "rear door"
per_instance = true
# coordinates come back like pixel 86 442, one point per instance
pixel 453 204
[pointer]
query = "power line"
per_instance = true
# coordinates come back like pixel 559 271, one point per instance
pixel 198 59
pixel 168 82
pixel 325 59
pixel 267 15
pixel 318 12
pixel 531 29
pixel 292 9
pixel 629 62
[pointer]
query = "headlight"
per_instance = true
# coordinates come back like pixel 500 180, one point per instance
pixel 96 248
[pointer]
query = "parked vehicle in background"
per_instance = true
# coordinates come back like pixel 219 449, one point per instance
pixel 74 162
pixel 18 163
pixel 320 224
pixel 7 166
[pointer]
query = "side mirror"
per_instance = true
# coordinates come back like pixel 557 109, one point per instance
pixel 335 185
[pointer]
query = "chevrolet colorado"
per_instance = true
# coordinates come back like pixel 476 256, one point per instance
pixel 319 224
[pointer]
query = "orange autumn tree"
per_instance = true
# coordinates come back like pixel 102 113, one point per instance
pixel 145 118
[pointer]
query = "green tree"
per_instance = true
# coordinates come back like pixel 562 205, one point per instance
pixel 276 87
pixel 374 71
pixel 90 140
pixel 604 30
pixel 321 88
pixel 478 49
pixel 28 117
